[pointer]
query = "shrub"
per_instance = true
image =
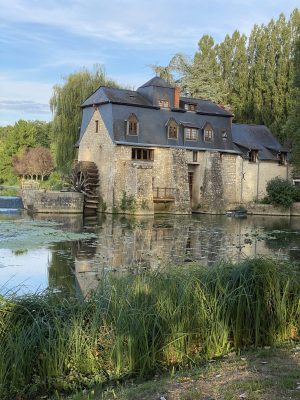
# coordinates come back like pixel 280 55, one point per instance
pixel 54 182
pixel 280 192
pixel 297 193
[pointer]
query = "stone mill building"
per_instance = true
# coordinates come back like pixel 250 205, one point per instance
pixel 159 152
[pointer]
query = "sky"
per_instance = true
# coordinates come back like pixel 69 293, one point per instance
pixel 41 42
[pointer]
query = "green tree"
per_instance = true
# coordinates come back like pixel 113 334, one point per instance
pixel 232 56
pixel 65 105
pixel 292 127
pixel 15 139
pixel 204 79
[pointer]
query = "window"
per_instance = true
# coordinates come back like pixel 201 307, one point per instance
pixel 252 156
pixel 142 154
pixel 191 133
pixel 190 107
pixel 164 103
pixel 195 156
pixel 132 126
pixel 172 129
pixel 224 134
pixel 208 133
pixel 282 158
pixel 96 126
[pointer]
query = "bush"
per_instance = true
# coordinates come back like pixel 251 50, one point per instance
pixel 54 182
pixel 280 192
pixel 297 193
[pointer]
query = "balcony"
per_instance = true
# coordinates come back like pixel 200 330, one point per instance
pixel 163 195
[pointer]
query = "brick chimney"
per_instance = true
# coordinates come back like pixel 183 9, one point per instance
pixel 176 97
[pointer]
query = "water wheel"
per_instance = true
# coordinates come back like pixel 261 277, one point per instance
pixel 85 179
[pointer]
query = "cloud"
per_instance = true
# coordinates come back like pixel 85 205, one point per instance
pixel 134 22
pixel 24 106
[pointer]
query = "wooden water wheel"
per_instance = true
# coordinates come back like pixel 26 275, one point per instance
pixel 85 179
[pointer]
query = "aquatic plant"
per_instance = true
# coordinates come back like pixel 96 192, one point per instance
pixel 139 324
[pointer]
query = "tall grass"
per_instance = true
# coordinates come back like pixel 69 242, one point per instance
pixel 144 323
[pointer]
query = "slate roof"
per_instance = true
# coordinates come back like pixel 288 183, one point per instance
pixel 256 137
pixel 118 96
pixel 115 106
pixel 158 82
pixel 131 97
pixel 206 106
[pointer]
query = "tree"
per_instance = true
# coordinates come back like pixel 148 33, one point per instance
pixel 65 105
pixel 34 162
pixel 204 78
pixel 15 139
pixel 292 127
pixel 42 161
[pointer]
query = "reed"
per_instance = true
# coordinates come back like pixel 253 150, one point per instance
pixel 136 325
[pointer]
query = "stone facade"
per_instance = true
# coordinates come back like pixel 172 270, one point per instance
pixel 198 181
pixel 43 201
pixel 159 152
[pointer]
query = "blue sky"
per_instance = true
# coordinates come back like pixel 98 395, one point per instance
pixel 42 41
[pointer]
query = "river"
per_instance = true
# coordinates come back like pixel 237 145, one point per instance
pixel 69 254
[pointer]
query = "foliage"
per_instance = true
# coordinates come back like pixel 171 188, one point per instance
pixel 280 192
pixel 128 202
pixel 54 182
pixel 14 140
pixel 9 190
pixel 297 193
pixel 292 127
pixel 141 324
pixel 65 105
pixel 33 162
pixel 253 75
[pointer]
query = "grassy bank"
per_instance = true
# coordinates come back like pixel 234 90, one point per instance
pixel 139 325
pixel 260 374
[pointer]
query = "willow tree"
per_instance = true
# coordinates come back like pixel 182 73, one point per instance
pixel 65 105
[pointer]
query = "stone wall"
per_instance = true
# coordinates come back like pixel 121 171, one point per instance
pixel 269 209
pixel 43 201
pixel 256 175
pixel 99 148
pixel 220 180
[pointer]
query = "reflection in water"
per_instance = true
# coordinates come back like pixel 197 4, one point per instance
pixel 123 244
pixel 134 244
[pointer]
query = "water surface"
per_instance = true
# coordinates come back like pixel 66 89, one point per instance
pixel 53 253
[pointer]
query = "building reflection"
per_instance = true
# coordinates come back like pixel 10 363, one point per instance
pixel 126 244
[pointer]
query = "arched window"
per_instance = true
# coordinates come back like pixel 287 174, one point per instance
pixel 132 126
pixel 172 127
pixel 208 133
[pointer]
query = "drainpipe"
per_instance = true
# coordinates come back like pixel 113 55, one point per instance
pixel 242 181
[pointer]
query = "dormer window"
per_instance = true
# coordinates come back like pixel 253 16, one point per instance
pixel 224 134
pixel 191 133
pixel 190 107
pixel 172 128
pixel 132 125
pixel 208 133
pixel 164 103
pixel 282 158
pixel 252 156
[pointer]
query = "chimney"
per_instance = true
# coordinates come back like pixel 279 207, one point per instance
pixel 176 97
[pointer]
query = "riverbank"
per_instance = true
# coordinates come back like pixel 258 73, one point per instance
pixel 262 374
pixel 141 325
